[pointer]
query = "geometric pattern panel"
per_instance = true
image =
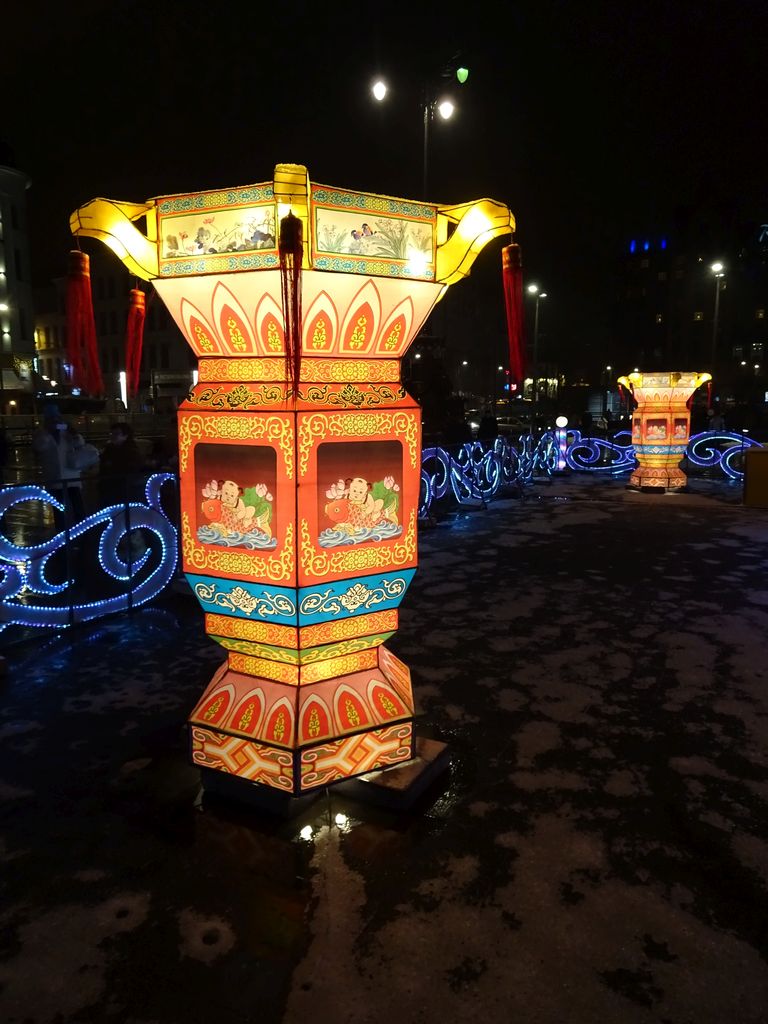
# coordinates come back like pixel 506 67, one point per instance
pixel 355 755
pixel 244 758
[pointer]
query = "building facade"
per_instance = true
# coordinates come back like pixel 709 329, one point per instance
pixel 167 361
pixel 17 348
pixel 673 311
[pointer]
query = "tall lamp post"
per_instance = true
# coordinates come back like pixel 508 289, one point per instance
pixel 719 271
pixel 533 289
pixel 430 106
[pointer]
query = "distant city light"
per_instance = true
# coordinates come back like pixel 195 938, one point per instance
pixel 717 269
pixel 4 307
pixel 445 109
pixel 379 90
pixel 417 355
pixel 632 245
pixel 464 362
pixel 646 246
pixel 663 243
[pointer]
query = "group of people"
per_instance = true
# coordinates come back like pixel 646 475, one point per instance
pixel 64 455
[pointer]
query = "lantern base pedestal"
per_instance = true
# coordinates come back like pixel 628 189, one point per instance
pixel 399 787
pixel 254 795
pixel 658 478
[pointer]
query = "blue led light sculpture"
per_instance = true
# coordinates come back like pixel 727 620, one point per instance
pixel 24 567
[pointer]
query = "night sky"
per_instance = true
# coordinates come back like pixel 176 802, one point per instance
pixel 594 122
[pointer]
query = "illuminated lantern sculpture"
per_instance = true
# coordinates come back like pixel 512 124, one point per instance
pixel 661 425
pixel 299 453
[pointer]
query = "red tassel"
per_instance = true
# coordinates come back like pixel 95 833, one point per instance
pixel 134 340
pixel 512 275
pixel 291 253
pixel 82 350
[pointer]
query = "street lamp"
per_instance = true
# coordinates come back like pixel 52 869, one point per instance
pixel 719 271
pixel 430 105
pixel 533 289
pixel 446 110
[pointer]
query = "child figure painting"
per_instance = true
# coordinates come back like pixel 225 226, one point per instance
pixel 235 516
pixel 359 495
pixel 232 510
pixel 359 510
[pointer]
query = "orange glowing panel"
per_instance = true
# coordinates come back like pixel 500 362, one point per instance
pixel 345 629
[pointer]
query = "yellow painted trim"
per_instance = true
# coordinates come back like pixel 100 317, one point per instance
pixel 112 223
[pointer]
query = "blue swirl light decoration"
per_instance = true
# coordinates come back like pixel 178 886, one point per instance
pixel 474 473
pixel 598 455
pixel 720 449
pixel 24 567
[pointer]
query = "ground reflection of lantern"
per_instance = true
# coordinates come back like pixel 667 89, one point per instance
pixel 298 508
pixel 661 426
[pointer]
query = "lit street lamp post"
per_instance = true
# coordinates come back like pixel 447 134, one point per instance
pixel 718 270
pixel 429 107
pixel 533 289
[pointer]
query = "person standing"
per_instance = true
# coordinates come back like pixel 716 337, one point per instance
pixel 121 480
pixel 121 467
pixel 56 445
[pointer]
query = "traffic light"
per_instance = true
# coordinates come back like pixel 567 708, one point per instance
pixel 462 74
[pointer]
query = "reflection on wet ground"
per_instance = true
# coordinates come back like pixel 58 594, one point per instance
pixel 597 852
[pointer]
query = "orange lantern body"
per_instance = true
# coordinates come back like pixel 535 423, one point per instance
pixel 299 503
pixel 661 426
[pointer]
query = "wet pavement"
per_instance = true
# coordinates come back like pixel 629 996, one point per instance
pixel 597 662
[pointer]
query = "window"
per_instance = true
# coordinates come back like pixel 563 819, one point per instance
pixel 42 340
pixel 112 320
pixel 111 287
pixel 698 315
pixel 102 322
pixel 14 217
pixel 99 287
pixel 23 322
pixel 17 264
pixel 644 264
pixel 661 276
pixel 163 357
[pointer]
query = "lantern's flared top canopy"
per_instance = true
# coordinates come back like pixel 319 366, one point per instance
pixel 236 229
pixel 678 380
